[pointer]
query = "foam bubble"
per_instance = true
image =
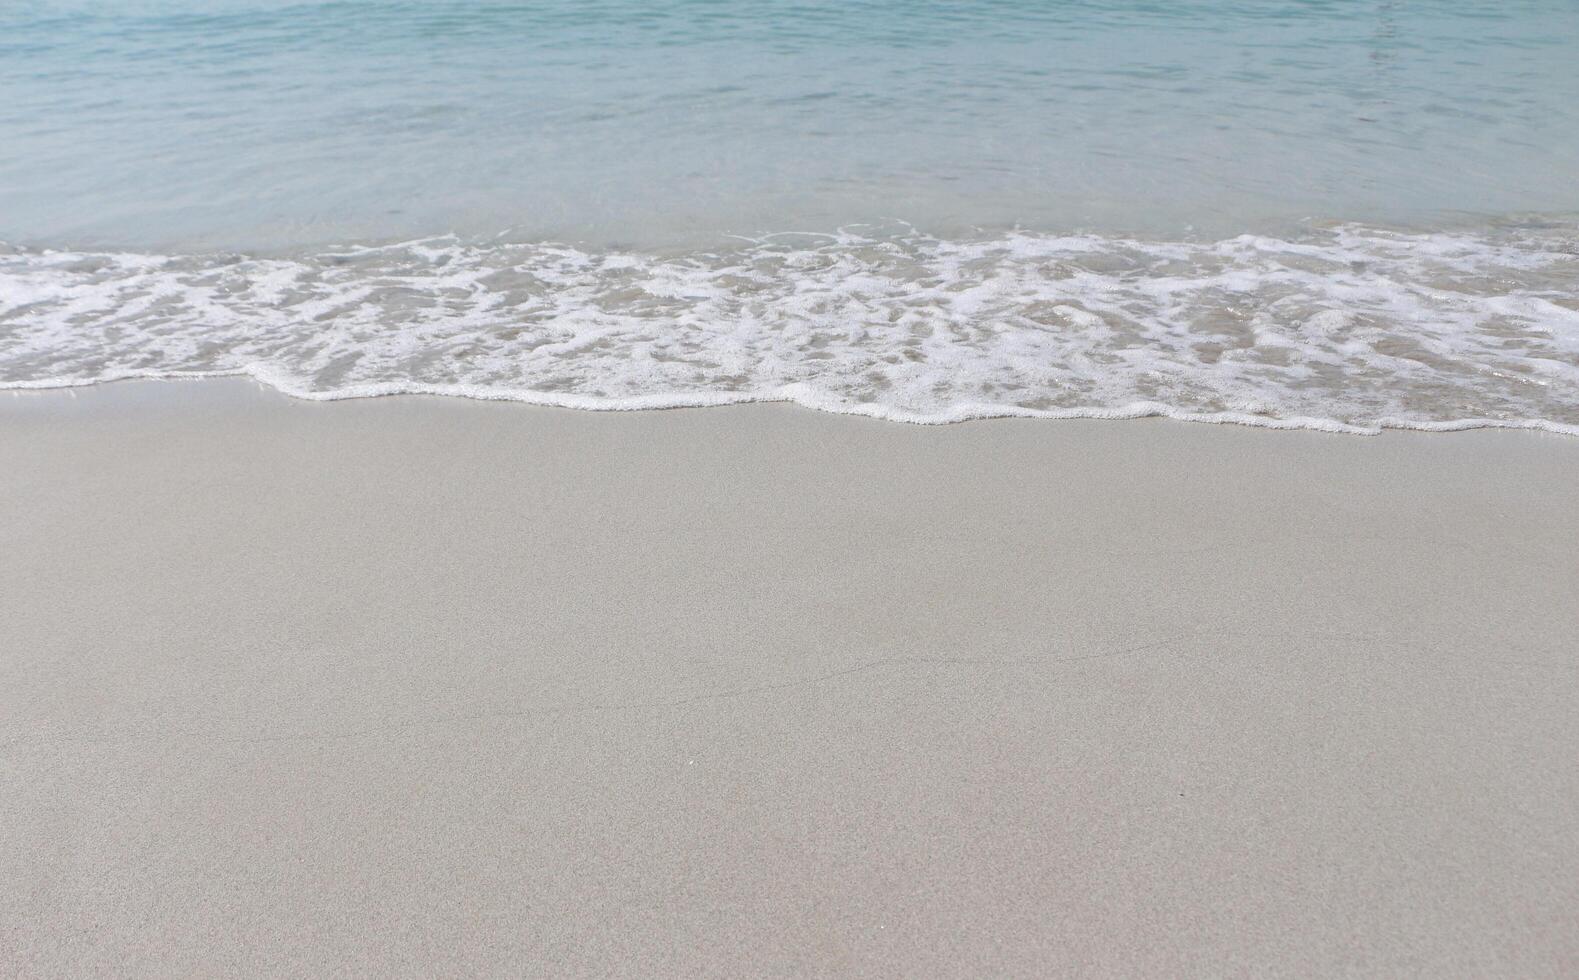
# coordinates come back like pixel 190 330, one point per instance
pixel 1346 328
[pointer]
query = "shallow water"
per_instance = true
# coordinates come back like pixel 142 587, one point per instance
pixel 1343 214
pixel 250 123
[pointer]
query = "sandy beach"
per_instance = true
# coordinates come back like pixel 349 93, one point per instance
pixel 417 687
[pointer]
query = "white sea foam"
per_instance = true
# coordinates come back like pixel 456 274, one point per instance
pixel 1348 328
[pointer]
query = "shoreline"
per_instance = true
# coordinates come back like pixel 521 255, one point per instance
pixel 421 685
pixel 1354 329
pixel 791 395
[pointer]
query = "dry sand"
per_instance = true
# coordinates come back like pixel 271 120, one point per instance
pixel 413 686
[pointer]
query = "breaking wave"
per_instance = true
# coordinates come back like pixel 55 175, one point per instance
pixel 1345 328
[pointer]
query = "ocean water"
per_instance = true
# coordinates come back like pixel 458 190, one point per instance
pixel 1341 214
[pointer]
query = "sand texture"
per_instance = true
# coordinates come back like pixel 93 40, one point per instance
pixel 424 687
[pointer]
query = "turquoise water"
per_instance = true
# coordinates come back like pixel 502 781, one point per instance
pixel 1347 214
pixel 248 123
